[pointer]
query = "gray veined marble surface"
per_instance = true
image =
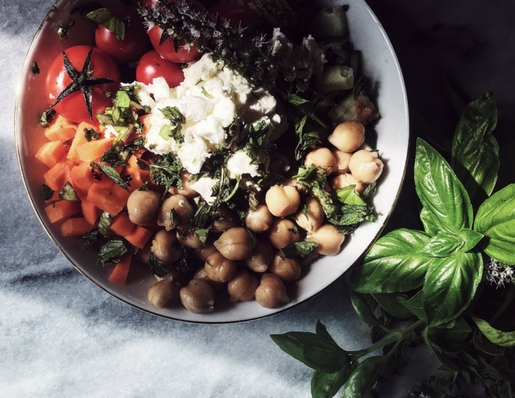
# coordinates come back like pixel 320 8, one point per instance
pixel 60 336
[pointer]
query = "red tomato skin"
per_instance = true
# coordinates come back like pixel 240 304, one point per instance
pixel 152 65
pixel 73 107
pixel 134 44
pixel 150 4
pixel 167 48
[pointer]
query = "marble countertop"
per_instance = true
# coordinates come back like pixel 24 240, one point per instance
pixel 61 336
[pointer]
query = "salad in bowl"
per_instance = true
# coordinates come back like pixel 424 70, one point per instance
pixel 212 161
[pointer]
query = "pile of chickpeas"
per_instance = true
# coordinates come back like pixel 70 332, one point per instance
pixel 243 258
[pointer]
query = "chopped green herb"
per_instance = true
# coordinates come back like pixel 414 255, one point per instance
pixel 111 252
pixel 46 117
pixel 68 193
pixel 91 134
pixel 46 192
pixel 110 172
pixel 35 68
pixel 299 249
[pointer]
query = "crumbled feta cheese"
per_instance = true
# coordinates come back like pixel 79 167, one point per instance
pixel 211 98
pixel 110 131
pixel 240 163
pixel 204 186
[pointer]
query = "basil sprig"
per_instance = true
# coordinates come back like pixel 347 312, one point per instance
pixel 434 277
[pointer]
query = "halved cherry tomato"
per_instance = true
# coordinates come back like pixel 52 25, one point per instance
pixel 94 82
pixel 134 43
pixel 152 65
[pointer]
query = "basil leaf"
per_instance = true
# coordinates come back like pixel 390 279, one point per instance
pixel 443 245
pixel 315 350
pixel 450 285
pixel 415 305
pixel 430 223
pixel 451 339
pixel 470 238
pixel 482 344
pixel 364 377
pixel 495 219
pixel 447 361
pixel 441 193
pixel 475 151
pixel 327 385
pixel 390 304
pixel 364 305
pixel 503 339
pixel 394 263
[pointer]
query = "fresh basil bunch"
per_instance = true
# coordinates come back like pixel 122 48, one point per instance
pixel 433 280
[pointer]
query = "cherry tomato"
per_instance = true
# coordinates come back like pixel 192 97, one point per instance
pixel 236 14
pixel 184 52
pixel 150 4
pixel 99 77
pixel 167 49
pixel 135 42
pixel 152 65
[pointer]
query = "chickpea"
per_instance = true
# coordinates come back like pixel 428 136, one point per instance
pixel 260 219
pixel 164 293
pixel 293 182
pixel 143 255
pixel 311 216
pixel 242 286
pixel 348 136
pixel 235 244
pixel 283 232
pixel 142 206
pixel 174 211
pixel 342 161
pixel 345 180
pixel 271 292
pixel 329 239
pixel 220 269
pixel 227 218
pixel 288 269
pixel 187 237
pixel 261 256
pixel 174 276
pixel 165 247
pixel 366 166
pixel 282 200
pixel 322 158
pixel 202 274
pixel 198 296
pixel 202 253
pixel 186 189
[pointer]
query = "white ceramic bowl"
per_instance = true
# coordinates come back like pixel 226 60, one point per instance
pixel 381 67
